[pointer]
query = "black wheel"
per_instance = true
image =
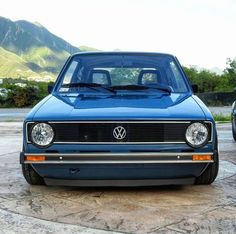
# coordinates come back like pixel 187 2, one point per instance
pixel 210 173
pixel 31 176
pixel 234 129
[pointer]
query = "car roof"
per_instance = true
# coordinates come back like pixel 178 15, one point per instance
pixel 122 53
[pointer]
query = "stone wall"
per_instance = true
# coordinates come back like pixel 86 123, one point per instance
pixel 218 99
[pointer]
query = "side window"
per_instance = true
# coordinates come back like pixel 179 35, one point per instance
pixel 179 81
pixel 70 72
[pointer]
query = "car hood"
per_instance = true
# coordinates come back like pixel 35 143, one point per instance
pixel 123 107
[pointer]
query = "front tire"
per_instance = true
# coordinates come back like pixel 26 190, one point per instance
pixel 31 176
pixel 210 173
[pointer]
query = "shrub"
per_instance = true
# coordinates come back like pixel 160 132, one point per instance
pixel 24 96
pixel 21 93
pixel 3 95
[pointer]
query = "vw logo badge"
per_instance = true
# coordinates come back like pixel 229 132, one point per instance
pixel 119 133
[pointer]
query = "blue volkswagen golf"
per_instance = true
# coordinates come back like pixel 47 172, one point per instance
pixel 120 119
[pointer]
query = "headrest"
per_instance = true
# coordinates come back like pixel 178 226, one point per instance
pixel 100 76
pixel 149 77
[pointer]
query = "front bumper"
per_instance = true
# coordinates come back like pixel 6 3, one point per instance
pixel 115 158
pixel 118 169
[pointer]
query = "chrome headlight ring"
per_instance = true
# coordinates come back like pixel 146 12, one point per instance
pixel 42 134
pixel 197 134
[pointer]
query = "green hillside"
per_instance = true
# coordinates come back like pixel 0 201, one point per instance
pixel 87 48
pixel 45 59
pixel 29 50
pixel 12 65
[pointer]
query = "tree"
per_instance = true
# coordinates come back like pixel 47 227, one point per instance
pixel 231 71
pixel 208 81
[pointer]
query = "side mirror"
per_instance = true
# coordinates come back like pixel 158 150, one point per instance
pixel 195 88
pixel 50 88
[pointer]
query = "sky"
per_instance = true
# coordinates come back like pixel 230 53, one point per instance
pixel 198 32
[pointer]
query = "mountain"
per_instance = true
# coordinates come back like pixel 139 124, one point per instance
pixel 14 66
pixel 87 48
pixel 29 50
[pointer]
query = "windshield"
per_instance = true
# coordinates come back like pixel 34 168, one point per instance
pixel 93 72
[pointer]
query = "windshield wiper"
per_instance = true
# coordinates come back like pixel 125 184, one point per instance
pixel 141 87
pixel 87 85
pixel 164 88
pixel 129 87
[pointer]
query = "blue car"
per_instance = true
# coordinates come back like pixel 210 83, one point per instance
pixel 120 119
pixel 234 120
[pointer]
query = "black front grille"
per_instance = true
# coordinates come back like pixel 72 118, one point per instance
pixel 103 132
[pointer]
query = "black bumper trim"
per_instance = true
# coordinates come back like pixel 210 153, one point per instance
pixel 119 183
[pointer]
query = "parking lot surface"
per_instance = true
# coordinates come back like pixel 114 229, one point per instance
pixel 165 209
pixel 18 114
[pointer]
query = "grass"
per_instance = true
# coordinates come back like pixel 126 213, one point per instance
pixel 222 118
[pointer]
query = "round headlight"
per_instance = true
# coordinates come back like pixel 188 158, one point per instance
pixel 196 135
pixel 42 134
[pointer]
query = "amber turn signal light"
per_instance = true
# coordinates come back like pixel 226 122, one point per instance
pixel 35 158
pixel 201 157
